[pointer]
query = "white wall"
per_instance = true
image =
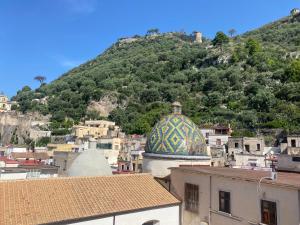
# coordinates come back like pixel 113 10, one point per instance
pixel 103 221
pixel 245 160
pixel 13 176
pixel 212 139
pixel 165 216
pixel 160 167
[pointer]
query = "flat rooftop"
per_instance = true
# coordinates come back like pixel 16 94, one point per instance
pixel 284 179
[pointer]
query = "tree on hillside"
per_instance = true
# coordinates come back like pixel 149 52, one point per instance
pixel 40 79
pixel 152 31
pixel 220 39
pixel 253 46
pixel 232 32
pixel 293 71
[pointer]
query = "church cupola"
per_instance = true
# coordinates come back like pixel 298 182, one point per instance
pixel 176 107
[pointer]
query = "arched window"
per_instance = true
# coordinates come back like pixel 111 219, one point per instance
pixel 151 222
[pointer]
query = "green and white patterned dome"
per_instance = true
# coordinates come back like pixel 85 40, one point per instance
pixel 176 134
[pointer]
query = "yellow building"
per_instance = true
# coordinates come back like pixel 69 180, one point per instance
pixel 96 129
pixel 63 147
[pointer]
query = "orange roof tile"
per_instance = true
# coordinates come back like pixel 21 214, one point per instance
pixel 68 199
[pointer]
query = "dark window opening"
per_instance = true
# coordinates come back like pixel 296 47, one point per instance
pixel 153 222
pixel 247 147
pixel 104 145
pixel 191 197
pixel 236 145
pixel 224 201
pixel 258 147
pixel 268 212
pixel 293 143
pixel 296 159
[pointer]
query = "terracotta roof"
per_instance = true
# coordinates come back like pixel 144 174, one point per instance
pixel 68 199
pixel 7 160
pixel 283 178
pixel 30 155
pixel 30 163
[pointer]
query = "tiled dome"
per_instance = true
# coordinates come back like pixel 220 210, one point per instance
pixel 176 134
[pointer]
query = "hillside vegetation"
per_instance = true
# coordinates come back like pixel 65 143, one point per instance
pixel 251 81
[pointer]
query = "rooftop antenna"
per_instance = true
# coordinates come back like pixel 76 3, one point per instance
pixel 273 175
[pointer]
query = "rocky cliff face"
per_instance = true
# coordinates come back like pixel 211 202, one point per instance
pixel 15 127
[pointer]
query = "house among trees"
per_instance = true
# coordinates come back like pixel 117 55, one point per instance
pixel 5 104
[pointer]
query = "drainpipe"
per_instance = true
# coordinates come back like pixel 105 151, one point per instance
pixel 209 219
pixel 114 220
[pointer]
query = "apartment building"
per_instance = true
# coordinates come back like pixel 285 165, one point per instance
pixel 226 196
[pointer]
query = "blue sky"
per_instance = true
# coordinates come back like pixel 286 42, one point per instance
pixel 50 37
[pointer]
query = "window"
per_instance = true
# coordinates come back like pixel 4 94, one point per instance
pixel 152 222
pixel 104 145
pixel 296 159
pixel 247 147
pixel 224 201
pixel 191 197
pixel 236 145
pixel 258 147
pixel 219 142
pixel 206 135
pixel 65 165
pixel 293 143
pixel 268 212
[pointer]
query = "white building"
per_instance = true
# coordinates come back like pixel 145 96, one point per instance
pixel 5 104
pixel 102 200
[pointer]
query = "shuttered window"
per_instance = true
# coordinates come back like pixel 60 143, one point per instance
pixel 191 197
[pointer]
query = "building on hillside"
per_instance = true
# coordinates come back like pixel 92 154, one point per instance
pixel 132 152
pixel 11 169
pixel 226 196
pixel 216 137
pixel 110 147
pixel 218 134
pixel 175 140
pixel 251 152
pixel 197 37
pixel 5 104
pixel 103 200
pixel 97 129
pixel 63 147
pixel 252 145
pixel 41 157
pixel 289 160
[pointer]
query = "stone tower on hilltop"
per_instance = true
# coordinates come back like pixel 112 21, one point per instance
pixel 197 37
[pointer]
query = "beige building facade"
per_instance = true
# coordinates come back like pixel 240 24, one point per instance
pixel 253 145
pixel 224 196
pixel 289 160
pixel 5 104
pixel 96 129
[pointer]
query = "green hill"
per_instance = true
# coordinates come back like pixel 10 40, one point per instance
pixel 251 81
